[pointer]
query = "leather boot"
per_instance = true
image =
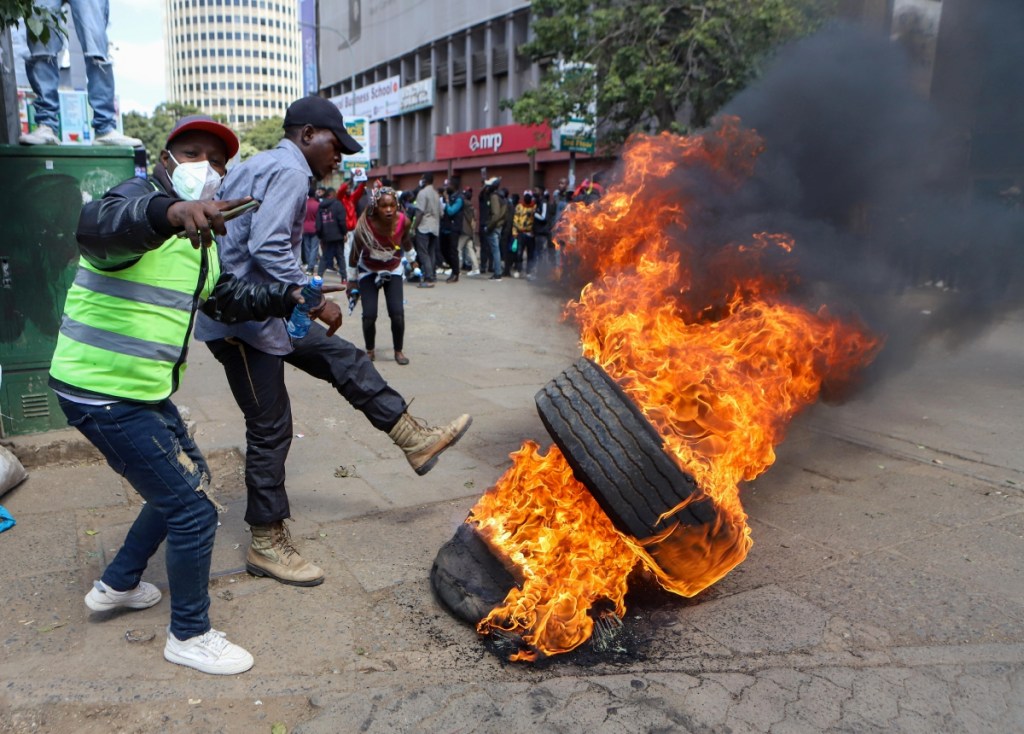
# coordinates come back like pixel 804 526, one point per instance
pixel 423 444
pixel 453 278
pixel 272 554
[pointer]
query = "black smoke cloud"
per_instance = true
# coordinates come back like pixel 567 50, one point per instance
pixel 862 171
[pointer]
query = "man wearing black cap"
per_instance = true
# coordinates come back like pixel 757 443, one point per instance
pixel 264 247
pixel 148 263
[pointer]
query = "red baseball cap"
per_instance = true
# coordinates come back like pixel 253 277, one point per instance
pixel 206 124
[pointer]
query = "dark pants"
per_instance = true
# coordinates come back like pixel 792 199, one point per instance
pixel 450 250
pixel 333 251
pixel 310 250
pixel 257 382
pixel 426 246
pixel 486 258
pixel 393 297
pixel 507 256
pixel 149 446
pixel 527 248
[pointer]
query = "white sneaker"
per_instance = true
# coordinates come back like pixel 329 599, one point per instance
pixel 209 653
pixel 115 138
pixel 42 135
pixel 473 272
pixel 102 598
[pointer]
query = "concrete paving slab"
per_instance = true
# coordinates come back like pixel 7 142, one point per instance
pixel 857 609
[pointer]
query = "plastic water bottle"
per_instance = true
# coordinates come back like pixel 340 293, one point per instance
pixel 353 299
pixel 298 324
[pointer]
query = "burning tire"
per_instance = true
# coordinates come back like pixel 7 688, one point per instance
pixel 615 452
pixel 467 578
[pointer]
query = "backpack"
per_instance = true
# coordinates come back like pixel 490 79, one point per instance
pixel 499 215
pixel 468 217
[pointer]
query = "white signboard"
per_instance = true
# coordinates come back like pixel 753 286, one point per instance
pixel 358 128
pixel 74 117
pixel 375 102
pixel 418 95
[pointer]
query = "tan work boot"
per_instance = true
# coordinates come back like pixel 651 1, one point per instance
pixel 272 554
pixel 423 444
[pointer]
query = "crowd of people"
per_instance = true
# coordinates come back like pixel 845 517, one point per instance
pixel 492 233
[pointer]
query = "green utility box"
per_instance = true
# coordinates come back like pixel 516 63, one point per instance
pixel 42 190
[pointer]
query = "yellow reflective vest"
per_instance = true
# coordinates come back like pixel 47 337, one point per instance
pixel 125 332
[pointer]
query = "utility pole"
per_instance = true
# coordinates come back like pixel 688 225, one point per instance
pixel 8 91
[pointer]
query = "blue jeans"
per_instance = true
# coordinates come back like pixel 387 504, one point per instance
pixel 310 251
pixel 494 238
pixel 90 18
pixel 149 446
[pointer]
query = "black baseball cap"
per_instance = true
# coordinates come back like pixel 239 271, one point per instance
pixel 321 112
pixel 208 125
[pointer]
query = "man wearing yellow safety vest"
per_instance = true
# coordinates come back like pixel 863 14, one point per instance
pixel 149 263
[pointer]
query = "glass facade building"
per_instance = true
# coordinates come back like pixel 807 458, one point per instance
pixel 237 58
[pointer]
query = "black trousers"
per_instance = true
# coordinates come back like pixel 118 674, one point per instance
pixel 426 247
pixel 369 292
pixel 450 250
pixel 333 256
pixel 257 383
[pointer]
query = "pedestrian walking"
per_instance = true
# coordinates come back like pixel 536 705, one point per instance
pixel 330 228
pixel 428 229
pixel 349 197
pixel 452 206
pixel 525 257
pixel 468 246
pixel 483 217
pixel 510 256
pixel 310 240
pixel 498 216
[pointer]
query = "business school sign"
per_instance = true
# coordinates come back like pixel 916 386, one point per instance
pixel 376 101
pixel 494 141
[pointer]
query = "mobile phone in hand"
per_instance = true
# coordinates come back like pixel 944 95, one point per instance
pixel 240 210
pixel 233 213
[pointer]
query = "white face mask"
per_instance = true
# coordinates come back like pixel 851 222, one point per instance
pixel 194 181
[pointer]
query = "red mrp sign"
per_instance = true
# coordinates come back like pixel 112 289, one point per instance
pixel 493 140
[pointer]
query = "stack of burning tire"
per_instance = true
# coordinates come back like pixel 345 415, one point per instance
pixel 616 453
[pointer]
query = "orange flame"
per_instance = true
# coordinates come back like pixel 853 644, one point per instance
pixel 717 360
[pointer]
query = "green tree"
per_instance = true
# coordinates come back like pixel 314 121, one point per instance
pixel 153 131
pixel 660 65
pixel 38 22
pixel 263 135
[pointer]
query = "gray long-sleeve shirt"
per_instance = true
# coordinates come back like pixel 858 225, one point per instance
pixel 264 246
